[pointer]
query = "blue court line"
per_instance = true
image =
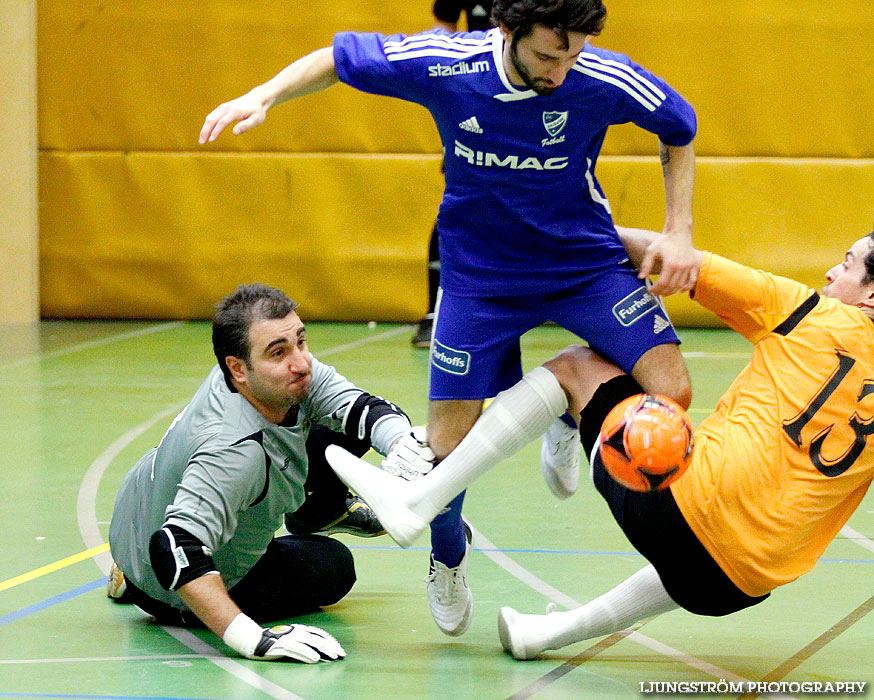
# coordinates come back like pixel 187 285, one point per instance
pixel 506 550
pixel 97 583
pixel 49 602
pixel 575 552
pixel 96 697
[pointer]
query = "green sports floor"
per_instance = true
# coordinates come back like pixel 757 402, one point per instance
pixel 80 401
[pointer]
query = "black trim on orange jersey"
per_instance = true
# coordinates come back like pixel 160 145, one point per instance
pixel 795 317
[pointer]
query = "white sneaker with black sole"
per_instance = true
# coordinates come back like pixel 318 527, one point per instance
pixel 560 458
pixel 449 596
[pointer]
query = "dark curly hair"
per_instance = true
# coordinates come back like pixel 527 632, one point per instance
pixel 869 261
pixel 561 16
pixel 235 314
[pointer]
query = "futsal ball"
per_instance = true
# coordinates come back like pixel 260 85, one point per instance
pixel 646 442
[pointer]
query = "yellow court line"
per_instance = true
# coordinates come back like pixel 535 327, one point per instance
pixel 49 568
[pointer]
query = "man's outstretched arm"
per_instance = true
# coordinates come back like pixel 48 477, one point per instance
pixel 313 72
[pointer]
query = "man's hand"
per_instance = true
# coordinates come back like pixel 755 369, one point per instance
pixel 410 457
pixel 309 74
pixel 248 110
pixel 296 642
pixel 676 261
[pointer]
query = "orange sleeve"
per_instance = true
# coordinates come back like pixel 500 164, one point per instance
pixel 750 301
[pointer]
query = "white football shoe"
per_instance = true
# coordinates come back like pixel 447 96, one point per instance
pixel 449 596
pixel 560 458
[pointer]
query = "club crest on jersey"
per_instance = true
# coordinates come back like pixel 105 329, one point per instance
pixel 554 123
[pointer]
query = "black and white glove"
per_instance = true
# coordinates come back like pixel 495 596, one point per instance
pixel 296 642
pixel 411 457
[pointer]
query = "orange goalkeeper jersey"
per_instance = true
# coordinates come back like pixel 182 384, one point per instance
pixel 788 455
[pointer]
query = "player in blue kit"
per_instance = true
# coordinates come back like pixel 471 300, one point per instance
pixel 526 231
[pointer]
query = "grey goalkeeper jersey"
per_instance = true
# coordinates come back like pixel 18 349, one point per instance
pixel 227 475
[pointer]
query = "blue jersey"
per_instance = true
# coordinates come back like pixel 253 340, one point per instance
pixel 522 211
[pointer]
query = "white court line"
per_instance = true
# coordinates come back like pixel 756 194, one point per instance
pixel 492 551
pixel 858 538
pixel 701 665
pixel 695 355
pixel 94 659
pixel 86 513
pixel 88 345
pixel 231 666
pixel 86 499
pixel 363 341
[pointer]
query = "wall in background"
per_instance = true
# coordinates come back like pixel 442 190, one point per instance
pixel 334 196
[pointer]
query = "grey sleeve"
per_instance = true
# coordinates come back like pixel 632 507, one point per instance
pixel 215 488
pixel 339 405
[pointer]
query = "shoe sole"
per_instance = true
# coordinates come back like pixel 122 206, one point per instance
pixel 116 586
pixel 348 531
pixel 340 527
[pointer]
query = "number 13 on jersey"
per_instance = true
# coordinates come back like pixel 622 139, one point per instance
pixel 861 427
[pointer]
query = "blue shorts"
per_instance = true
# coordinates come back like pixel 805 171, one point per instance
pixel 475 352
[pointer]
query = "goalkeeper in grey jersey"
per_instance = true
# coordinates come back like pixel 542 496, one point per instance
pixel 194 523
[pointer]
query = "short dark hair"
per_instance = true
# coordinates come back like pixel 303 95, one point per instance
pixel 561 16
pixel 235 314
pixel 869 261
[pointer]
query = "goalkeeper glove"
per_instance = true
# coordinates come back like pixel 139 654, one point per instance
pixel 411 457
pixel 296 642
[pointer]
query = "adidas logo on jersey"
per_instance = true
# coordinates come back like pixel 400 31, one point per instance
pixel 471 125
pixel 660 325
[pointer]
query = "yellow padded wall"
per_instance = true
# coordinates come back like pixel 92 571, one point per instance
pixel 146 73
pixel 138 220
pixel 167 235
pixel 768 78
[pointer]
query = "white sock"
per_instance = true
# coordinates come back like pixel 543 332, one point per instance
pixel 516 417
pixel 638 597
